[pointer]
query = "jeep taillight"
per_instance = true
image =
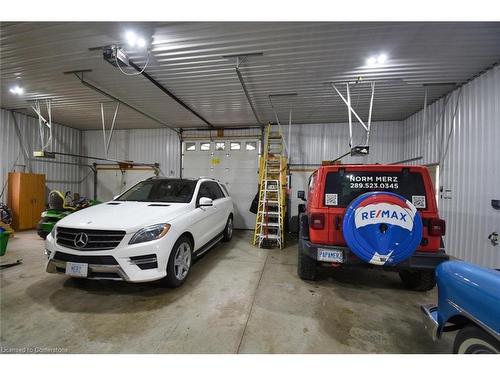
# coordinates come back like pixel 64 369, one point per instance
pixel 317 221
pixel 437 227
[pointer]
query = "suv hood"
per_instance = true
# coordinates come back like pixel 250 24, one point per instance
pixel 128 216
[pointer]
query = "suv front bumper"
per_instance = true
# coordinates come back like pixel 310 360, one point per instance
pixel 420 260
pixel 96 271
pixel 141 262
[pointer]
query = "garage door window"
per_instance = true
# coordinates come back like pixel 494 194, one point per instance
pixel 205 146
pixel 220 146
pixel 190 146
pixel 235 146
pixel 251 146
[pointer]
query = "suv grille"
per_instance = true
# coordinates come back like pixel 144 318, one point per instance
pixel 89 239
pixel 94 259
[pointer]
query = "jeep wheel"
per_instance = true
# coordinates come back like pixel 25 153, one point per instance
pixel 179 263
pixel 228 230
pixel 307 268
pixel 473 340
pixel 421 281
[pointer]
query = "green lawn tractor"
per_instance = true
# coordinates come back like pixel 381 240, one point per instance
pixel 61 206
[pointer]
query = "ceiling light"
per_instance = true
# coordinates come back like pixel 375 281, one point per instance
pixel 131 38
pixel 382 58
pixel 371 61
pixel 376 60
pixel 141 42
pixel 135 40
pixel 17 90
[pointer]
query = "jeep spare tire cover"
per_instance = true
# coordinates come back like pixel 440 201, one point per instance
pixel 382 228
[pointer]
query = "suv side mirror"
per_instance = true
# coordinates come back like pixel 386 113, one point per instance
pixel 301 195
pixel 205 202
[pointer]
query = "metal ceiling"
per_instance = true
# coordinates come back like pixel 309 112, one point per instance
pixel 187 58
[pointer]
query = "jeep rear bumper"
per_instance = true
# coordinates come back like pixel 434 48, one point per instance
pixel 420 260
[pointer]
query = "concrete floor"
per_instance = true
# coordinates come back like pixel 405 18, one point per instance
pixel 238 299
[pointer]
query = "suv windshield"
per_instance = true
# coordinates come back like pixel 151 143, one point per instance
pixel 343 187
pixel 167 190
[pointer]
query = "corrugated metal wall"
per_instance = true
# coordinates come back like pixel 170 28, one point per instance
pixel 140 145
pixel 470 170
pixel 313 143
pixel 12 158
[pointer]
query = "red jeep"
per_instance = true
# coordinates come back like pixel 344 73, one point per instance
pixel 372 215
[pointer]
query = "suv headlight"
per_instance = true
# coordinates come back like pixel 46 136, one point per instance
pixel 53 232
pixel 150 233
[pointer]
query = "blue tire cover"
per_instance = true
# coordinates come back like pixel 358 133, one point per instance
pixel 382 228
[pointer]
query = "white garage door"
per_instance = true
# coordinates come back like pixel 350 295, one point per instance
pixel 234 163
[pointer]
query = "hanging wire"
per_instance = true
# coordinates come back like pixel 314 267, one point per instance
pixel 132 74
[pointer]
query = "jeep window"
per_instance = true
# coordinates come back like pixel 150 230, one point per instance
pixel 312 181
pixel 343 187
pixel 168 190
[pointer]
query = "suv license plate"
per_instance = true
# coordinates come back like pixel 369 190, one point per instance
pixel 77 269
pixel 335 256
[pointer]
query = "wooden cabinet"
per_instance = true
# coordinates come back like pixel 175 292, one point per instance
pixel 26 199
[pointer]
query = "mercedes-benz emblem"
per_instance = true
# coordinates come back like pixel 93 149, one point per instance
pixel 81 240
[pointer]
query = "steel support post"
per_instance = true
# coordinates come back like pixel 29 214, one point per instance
pixel 370 114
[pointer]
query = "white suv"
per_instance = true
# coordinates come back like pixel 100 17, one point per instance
pixel 152 231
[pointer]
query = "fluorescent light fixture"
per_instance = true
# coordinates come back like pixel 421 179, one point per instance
pixel 17 90
pixel 134 40
pixel 382 58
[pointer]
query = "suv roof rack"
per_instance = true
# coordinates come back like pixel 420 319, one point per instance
pixel 213 179
pixel 168 178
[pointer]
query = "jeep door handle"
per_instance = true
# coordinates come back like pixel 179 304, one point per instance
pixel 338 224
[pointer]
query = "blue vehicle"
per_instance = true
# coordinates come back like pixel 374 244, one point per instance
pixel 469 301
